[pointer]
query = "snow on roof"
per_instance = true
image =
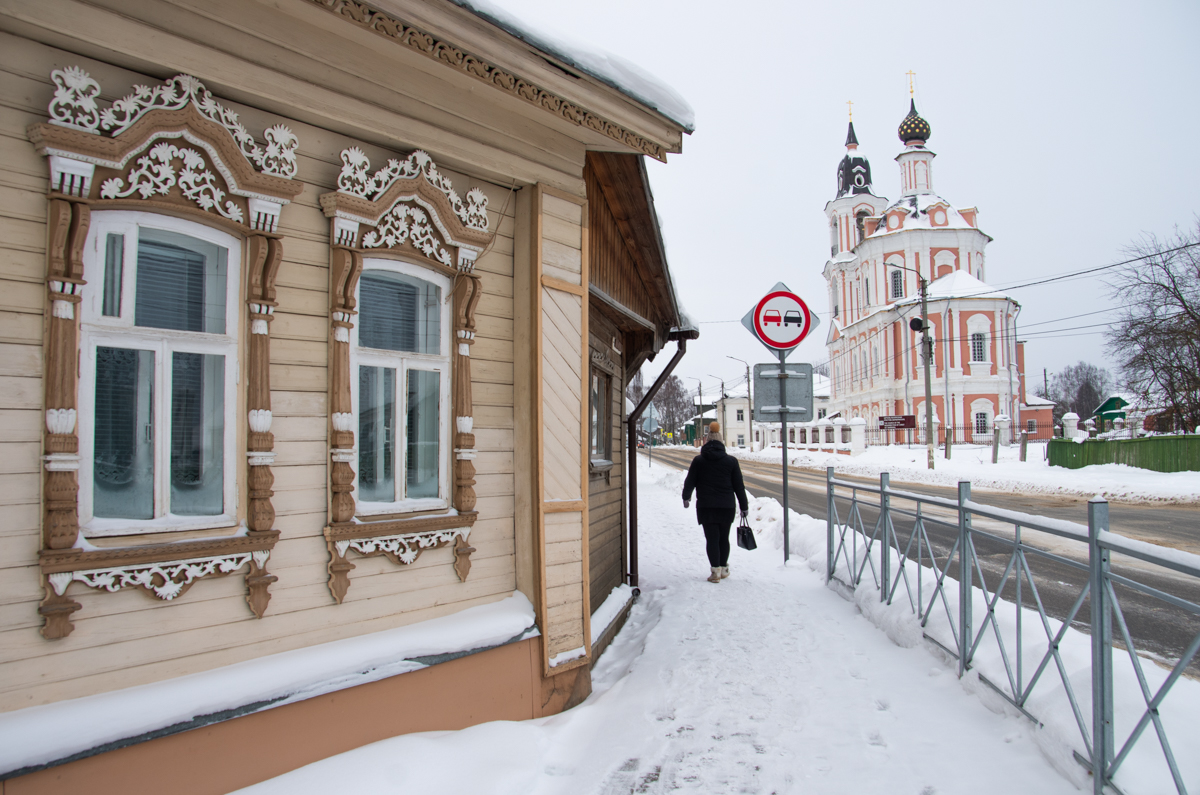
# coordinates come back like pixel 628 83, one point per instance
pixel 1034 400
pixel 821 385
pixel 918 215
pixel 613 70
pixel 957 284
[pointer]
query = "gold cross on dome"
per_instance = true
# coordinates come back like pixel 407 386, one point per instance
pixel 850 106
pixel 911 74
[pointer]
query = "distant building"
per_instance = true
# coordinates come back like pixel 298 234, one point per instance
pixel 878 251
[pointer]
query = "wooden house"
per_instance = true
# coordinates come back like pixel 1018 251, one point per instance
pixel 316 323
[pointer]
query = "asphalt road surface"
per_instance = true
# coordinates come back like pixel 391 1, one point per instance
pixel 1157 628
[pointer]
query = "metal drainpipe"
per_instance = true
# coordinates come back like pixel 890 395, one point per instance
pixel 631 458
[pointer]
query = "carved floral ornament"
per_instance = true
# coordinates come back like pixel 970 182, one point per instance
pixel 407 204
pixel 171 143
pixel 169 147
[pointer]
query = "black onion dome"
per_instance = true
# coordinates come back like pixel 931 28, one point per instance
pixel 913 129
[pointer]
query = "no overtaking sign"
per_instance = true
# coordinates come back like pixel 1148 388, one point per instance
pixel 781 320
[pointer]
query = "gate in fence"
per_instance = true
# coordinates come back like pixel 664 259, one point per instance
pixel 925 549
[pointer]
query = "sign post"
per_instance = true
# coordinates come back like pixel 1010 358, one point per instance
pixel 781 321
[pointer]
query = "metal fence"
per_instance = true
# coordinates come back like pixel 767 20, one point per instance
pixel 958 434
pixel 929 546
pixel 1159 453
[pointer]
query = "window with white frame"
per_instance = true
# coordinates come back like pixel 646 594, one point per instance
pixel 981 422
pixel 741 415
pixel 978 347
pixel 1031 426
pixel 601 413
pixel 741 440
pixel 400 366
pixel 158 376
pixel 897 284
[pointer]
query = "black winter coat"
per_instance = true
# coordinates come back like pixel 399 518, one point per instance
pixel 716 478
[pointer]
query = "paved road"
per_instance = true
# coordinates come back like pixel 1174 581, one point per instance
pixel 1156 628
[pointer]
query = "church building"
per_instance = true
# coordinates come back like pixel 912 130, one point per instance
pixel 879 252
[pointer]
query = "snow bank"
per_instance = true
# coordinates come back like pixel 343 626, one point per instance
pixel 607 613
pixel 974 463
pixel 613 70
pixel 42 734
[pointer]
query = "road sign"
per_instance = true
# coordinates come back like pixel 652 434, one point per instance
pixel 897 422
pixel 781 320
pixel 768 407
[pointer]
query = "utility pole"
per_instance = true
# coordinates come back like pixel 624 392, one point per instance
pixel 1046 382
pixel 700 392
pixel 749 398
pixel 721 403
pixel 922 325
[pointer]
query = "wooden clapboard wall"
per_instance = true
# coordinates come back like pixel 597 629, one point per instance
pixel 128 638
pixel 561 315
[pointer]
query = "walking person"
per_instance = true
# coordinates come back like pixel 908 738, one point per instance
pixel 716 478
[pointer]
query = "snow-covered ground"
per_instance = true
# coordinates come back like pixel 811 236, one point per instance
pixel 974 463
pixel 768 682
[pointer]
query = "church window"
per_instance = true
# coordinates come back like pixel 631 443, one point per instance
pixel 860 219
pixel 1031 426
pixel 978 347
pixel 833 236
pixel 867 291
pixel 897 284
pixel 981 422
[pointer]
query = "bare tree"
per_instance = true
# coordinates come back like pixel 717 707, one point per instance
pixel 674 404
pixel 821 369
pixel 1156 339
pixel 636 388
pixel 1080 388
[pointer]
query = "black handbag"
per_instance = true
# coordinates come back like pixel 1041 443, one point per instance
pixel 745 536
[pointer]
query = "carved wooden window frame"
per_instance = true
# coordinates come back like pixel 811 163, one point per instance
pixel 170 149
pixel 407 211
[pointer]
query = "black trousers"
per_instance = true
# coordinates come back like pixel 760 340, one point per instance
pixel 716 536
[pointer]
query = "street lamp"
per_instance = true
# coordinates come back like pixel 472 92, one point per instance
pixel 749 398
pixel 922 325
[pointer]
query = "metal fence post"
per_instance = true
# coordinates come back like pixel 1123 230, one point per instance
pixel 828 524
pixel 885 566
pixel 964 577
pixel 1103 740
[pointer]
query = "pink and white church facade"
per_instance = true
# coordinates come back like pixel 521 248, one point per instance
pixel 877 250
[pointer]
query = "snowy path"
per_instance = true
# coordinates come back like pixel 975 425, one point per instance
pixel 766 683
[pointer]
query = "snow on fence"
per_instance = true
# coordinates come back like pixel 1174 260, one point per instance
pixel 1157 453
pixel 1127 716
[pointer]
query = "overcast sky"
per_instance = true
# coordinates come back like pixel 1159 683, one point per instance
pixel 1073 127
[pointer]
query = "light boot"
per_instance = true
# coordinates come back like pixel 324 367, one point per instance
pixel 724 572
pixel 716 574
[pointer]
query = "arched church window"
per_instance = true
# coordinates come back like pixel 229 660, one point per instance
pixel 860 222
pixel 833 236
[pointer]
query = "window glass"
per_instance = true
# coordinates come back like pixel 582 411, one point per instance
pixel 399 312
pixel 197 434
pixel 181 283
pixel 1031 426
pixel 981 422
pixel 978 347
pixel 377 434
pixel 123 468
pixel 422 464
pixel 114 274
pixel 598 404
